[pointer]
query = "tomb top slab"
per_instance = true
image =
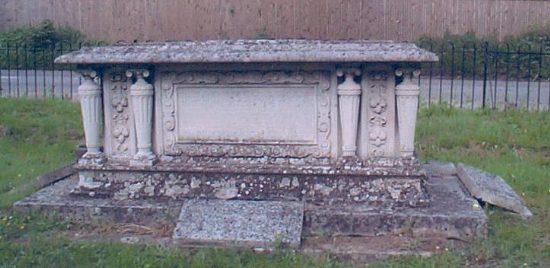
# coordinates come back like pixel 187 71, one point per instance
pixel 250 51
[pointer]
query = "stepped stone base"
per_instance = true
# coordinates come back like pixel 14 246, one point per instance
pixel 451 215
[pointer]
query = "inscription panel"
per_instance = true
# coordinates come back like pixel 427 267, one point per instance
pixel 245 114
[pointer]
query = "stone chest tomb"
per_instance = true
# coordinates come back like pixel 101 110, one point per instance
pixel 319 121
pixel 256 140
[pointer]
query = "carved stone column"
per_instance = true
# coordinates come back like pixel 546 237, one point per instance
pixel 407 105
pixel 92 117
pixel 348 101
pixel 141 100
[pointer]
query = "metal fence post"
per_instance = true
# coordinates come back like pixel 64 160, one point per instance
pixel 485 66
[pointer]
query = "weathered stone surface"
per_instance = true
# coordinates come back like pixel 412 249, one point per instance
pixel 383 166
pixel 492 189
pixel 245 132
pixel 452 214
pixel 57 199
pixel 246 125
pixel 247 51
pixel 441 169
pixel 380 190
pixel 269 107
pixel 250 223
pixel 215 107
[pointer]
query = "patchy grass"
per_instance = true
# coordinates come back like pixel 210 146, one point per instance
pixel 35 137
pixel 38 136
pixel 514 145
pixel 55 251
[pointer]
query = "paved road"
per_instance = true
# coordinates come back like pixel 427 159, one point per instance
pixel 44 83
pixel 499 93
pixel 467 92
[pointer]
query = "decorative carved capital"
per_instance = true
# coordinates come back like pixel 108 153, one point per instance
pixel 349 86
pixel 88 74
pixel 138 73
pixel 408 87
pixel 89 87
pixel 141 86
pixel 408 73
pixel 348 71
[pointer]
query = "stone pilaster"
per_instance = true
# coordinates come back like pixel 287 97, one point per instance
pixel 141 100
pixel 89 93
pixel 407 106
pixel 348 103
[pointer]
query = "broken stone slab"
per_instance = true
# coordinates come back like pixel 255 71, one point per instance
pixel 240 223
pixel 440 169
pixel 492 189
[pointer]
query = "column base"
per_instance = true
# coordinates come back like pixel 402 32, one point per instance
pixel 86 181
pixel 144 160
pixel 92 159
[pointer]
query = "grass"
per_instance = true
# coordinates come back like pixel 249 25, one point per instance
pixel 35 137
pixel 40 135
pixel 514 145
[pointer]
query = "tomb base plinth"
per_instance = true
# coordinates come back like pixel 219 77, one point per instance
pixel 356 230
pixel 398 183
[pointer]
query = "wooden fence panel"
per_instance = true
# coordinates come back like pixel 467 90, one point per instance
pixel 142 20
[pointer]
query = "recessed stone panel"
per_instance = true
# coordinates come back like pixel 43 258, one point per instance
pixel 246 114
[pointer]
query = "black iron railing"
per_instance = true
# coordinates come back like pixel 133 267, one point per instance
pixel 485 76
pixel 31 72
pixel 467 76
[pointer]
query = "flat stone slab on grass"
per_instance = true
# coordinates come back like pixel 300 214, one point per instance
pixel 238 222
pixel 492 189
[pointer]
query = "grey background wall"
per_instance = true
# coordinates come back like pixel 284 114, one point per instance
pixel 141 20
